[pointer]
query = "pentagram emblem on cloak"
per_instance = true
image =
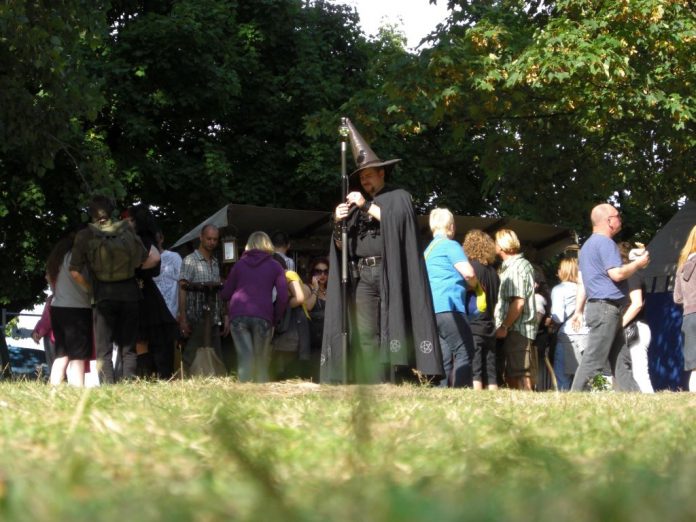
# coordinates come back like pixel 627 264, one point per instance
pixel 426 346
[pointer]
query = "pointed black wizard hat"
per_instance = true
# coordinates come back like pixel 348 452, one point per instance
pixel 363 155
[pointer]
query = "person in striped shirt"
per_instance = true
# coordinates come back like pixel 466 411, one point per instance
pixel 515 312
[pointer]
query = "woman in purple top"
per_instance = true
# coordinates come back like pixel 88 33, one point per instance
pixel 252 310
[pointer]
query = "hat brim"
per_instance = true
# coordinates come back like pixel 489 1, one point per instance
pixel 376 164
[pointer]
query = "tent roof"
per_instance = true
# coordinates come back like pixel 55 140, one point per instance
pixel 242 220
pixel 539 241
pixel 310 229
pixel 665 246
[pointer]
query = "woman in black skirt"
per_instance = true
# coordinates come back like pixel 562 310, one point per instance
pixel 71 317
pixel 157 329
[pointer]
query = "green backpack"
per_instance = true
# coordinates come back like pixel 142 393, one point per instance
pixel 114 251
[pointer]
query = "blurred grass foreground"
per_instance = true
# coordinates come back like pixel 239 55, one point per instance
pixel 219 450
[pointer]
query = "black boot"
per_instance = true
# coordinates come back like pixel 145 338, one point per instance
pixel 146 367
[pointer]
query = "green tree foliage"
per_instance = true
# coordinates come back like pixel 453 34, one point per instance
pixel 185 105
pixel 524 108
pixel 549 108
pixel 391 111
pixel 208 100
pixel 46 93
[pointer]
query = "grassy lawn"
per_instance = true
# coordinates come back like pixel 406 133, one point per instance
pixel 219 450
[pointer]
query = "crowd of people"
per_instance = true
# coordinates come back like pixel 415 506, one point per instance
pixel 474 314
pixel 120 298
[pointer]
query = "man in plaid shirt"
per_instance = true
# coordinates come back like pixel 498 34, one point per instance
pixel 201 266
pixel 515 312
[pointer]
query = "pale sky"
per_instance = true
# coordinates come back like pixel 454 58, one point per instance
pixel 417 18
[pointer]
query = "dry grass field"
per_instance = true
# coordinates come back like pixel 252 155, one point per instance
pixel 219 450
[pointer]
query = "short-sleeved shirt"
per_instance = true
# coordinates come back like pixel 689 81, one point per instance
pixel 197 269
pixel 563 297
pixel 541 305
pixel 635 282
pixel 480 306
pixel 68 294
pixel 288 261
pixel 517 280
pixel 168 279
pixel 598 255
pixel 291 276
pixel 446 283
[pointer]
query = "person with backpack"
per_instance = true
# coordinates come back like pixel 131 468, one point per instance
pixel 111 251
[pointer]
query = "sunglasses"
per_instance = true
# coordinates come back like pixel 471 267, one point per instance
pixel 319 271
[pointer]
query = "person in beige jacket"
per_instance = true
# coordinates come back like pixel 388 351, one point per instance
pixel 685 295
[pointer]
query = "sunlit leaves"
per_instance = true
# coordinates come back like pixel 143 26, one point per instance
pixel 561 104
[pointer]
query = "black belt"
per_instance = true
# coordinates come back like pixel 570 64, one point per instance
pixel 613 302
pixel 369 261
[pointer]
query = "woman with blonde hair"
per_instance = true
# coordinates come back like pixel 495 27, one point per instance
pixel 569 343
pixel 685 295
pixel 252 311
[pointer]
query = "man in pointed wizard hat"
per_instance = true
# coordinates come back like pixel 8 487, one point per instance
pixel 392 324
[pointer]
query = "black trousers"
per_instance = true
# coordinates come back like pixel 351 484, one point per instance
pixel 115 322
pixel 161 347
pixel 484 363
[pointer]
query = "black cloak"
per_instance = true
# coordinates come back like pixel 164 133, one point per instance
pixel 408 330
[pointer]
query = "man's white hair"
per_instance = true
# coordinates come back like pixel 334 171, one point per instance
pixel 440 220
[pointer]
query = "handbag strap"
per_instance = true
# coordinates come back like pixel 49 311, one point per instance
pixel 432 246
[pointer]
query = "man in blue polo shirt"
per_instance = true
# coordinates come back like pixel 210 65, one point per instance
pixel 449 271
pixel 603 297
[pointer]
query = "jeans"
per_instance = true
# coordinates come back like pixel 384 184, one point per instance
pixel 605 341
pixel 368 317
pixel 252 341
pixel 115 322
pixel 457 344
pixel 567 346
